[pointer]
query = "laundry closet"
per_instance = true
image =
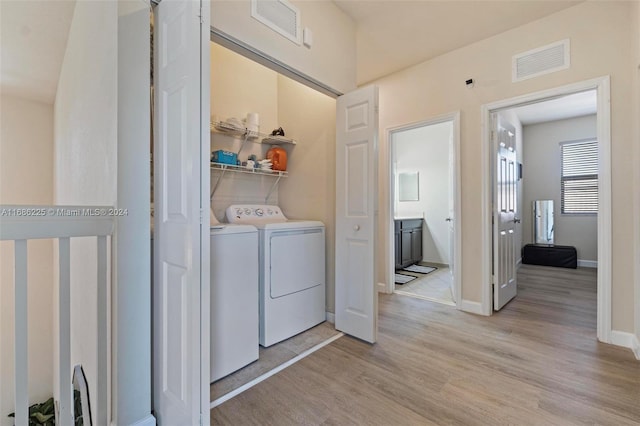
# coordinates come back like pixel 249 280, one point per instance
pixel 240 86
pixel 247 189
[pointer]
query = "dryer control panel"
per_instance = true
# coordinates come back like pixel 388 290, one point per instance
pixel 252 213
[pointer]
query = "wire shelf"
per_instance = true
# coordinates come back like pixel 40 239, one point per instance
pixel 242 169
pixel 232 129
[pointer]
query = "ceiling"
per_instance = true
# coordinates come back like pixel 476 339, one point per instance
pixel 395 34
pixel 570 106
pixel 33 39
pixel 391 35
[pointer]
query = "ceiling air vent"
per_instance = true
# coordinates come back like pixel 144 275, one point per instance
pixel 540 61
pixel 279 15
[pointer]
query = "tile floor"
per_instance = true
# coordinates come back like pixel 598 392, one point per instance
pixel 435 286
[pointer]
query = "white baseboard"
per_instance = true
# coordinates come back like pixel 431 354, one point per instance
pixel 587 263
pixel 626 340
pixel 471 307
pixel 382 288
pixel 331 317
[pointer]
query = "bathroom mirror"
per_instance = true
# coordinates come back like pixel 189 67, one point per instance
pixel 543 222
pixel 408 186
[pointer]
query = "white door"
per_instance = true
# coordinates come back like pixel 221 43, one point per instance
pixel 178 234
pixel 356 200
pixel 505 205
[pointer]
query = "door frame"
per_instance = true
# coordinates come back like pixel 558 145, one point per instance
pixel 602 87
pixel 454 117
pixel 205 207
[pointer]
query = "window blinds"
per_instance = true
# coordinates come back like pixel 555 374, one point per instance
pixel 579 182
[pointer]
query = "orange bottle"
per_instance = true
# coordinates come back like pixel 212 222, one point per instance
pixel 278 157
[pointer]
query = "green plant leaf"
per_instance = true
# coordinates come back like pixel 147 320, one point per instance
pixel 48 407
pixel 41 414
pixel 42 418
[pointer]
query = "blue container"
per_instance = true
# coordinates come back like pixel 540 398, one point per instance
pixel 224 157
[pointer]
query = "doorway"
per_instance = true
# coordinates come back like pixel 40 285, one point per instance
pixel 601 88
pixel 424 257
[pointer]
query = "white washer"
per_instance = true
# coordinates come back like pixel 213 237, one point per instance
pixel 234 298
pixel 292 270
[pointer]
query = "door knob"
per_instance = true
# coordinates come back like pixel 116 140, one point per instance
pixel 356 227
pixel 516 220
pixel 449 219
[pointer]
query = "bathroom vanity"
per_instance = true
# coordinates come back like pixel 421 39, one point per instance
pixel 408 241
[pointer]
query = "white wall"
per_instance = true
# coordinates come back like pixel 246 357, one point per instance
pixel 102 158
pixel 542 173
pixel 85 172
pixel 427 150
pixel 26 175
pixel 240 86
pixel 310 190
pixel 437 87
pixel 332 58
pixel 131 291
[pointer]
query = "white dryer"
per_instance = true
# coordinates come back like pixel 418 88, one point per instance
pixel 292 270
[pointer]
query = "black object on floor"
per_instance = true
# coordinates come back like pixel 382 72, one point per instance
pixel 560 256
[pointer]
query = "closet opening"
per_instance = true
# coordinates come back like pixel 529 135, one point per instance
pixel 272 154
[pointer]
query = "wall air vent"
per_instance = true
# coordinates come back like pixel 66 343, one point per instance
pixel 279 15
pixel 540 61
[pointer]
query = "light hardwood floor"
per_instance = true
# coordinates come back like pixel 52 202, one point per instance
pixel 536 362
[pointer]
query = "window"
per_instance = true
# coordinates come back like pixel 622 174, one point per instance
pixel 579 181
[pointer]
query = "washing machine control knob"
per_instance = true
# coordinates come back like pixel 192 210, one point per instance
pixel 259 212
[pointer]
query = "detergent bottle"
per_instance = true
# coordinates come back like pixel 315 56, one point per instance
pixel 278 157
